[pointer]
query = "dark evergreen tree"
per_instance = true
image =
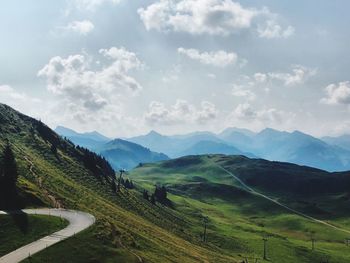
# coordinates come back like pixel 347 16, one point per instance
pixel 8 179
pixel 9 169
pixel 153 199
pixel 114 186
pixel 127 184
pixel 97 164
pixel 54 149
pixel 160 194
pixel 145 195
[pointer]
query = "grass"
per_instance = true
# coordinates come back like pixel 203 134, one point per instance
pixel 84 247
pixel 126 225
pixel 19 230
pixel 239 220
pixel 129 228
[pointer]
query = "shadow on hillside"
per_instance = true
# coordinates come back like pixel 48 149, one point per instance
pixel 20 219
pixel 167 202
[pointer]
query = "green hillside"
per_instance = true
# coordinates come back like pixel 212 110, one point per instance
pixel 129 228
pixel 239 219
pixel 21 229
pixel 53 172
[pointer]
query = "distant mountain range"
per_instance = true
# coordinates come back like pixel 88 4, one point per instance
pixel 127 155
pixel 89 140
pixel 327 153
pixel 121 154
pixel 341 141
pixel 295 147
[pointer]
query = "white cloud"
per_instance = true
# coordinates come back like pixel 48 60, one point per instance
pixel 180 112
pixel 268 116
pixel 240 91
pixel 260 77
pixel 244 111
pixel 207 112
pixel 214 17
pixel 215 58
pixel 84 90
pixel 81 27
pixel 273 30
pixel 298 76
pixel 20 100
pixel 90 95
pixel 197 17
pixel 211 75
pixel 338 93
pixel 9 94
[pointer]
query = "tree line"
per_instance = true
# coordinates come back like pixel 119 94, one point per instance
pixel 95 163
pixel 159 195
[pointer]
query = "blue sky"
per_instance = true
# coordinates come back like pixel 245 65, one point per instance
pixel 126 67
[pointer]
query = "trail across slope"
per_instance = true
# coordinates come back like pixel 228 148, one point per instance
pixel 78 221
pixel 251 190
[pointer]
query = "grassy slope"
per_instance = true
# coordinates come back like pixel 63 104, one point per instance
pixel 127 226
pixel 19 230
pixel 238 219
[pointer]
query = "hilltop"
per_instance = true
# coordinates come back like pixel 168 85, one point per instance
pixel 240 217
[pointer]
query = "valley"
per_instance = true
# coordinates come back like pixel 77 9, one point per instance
pixel 240 217
pixel 174 131
pixel 242 201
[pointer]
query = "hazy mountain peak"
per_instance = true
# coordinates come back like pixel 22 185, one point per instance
pixel 63 131
pixel 231 130
pixel 67 132
pixel 153 133
pixel 270 130
pixel 97 135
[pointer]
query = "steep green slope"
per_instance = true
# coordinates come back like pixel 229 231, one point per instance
pixel 53 172
pixel 239 219
pixel 19 230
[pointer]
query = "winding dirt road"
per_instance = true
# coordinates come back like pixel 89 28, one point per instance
pixel 78 221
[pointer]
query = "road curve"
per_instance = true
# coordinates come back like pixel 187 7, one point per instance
pixel 78 221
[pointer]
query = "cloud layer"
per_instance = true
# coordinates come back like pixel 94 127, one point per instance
pixel 87 90
pixel 273 30
pixel 338 94
pixel 180 112
pixel 219 58
pixel 81 27
pixel 213 17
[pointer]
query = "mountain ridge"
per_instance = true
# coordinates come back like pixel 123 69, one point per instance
pixel 296 147
pixel 120 153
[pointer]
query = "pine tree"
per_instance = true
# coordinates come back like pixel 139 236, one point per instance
pixel 145 195
pixel 160 194
pixel 8 180
pixel 9 170
pixel 153 199
pixel 114 186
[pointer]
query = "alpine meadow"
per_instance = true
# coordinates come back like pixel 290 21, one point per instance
pixel 180 131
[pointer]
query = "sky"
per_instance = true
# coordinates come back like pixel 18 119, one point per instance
pixel 124 68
